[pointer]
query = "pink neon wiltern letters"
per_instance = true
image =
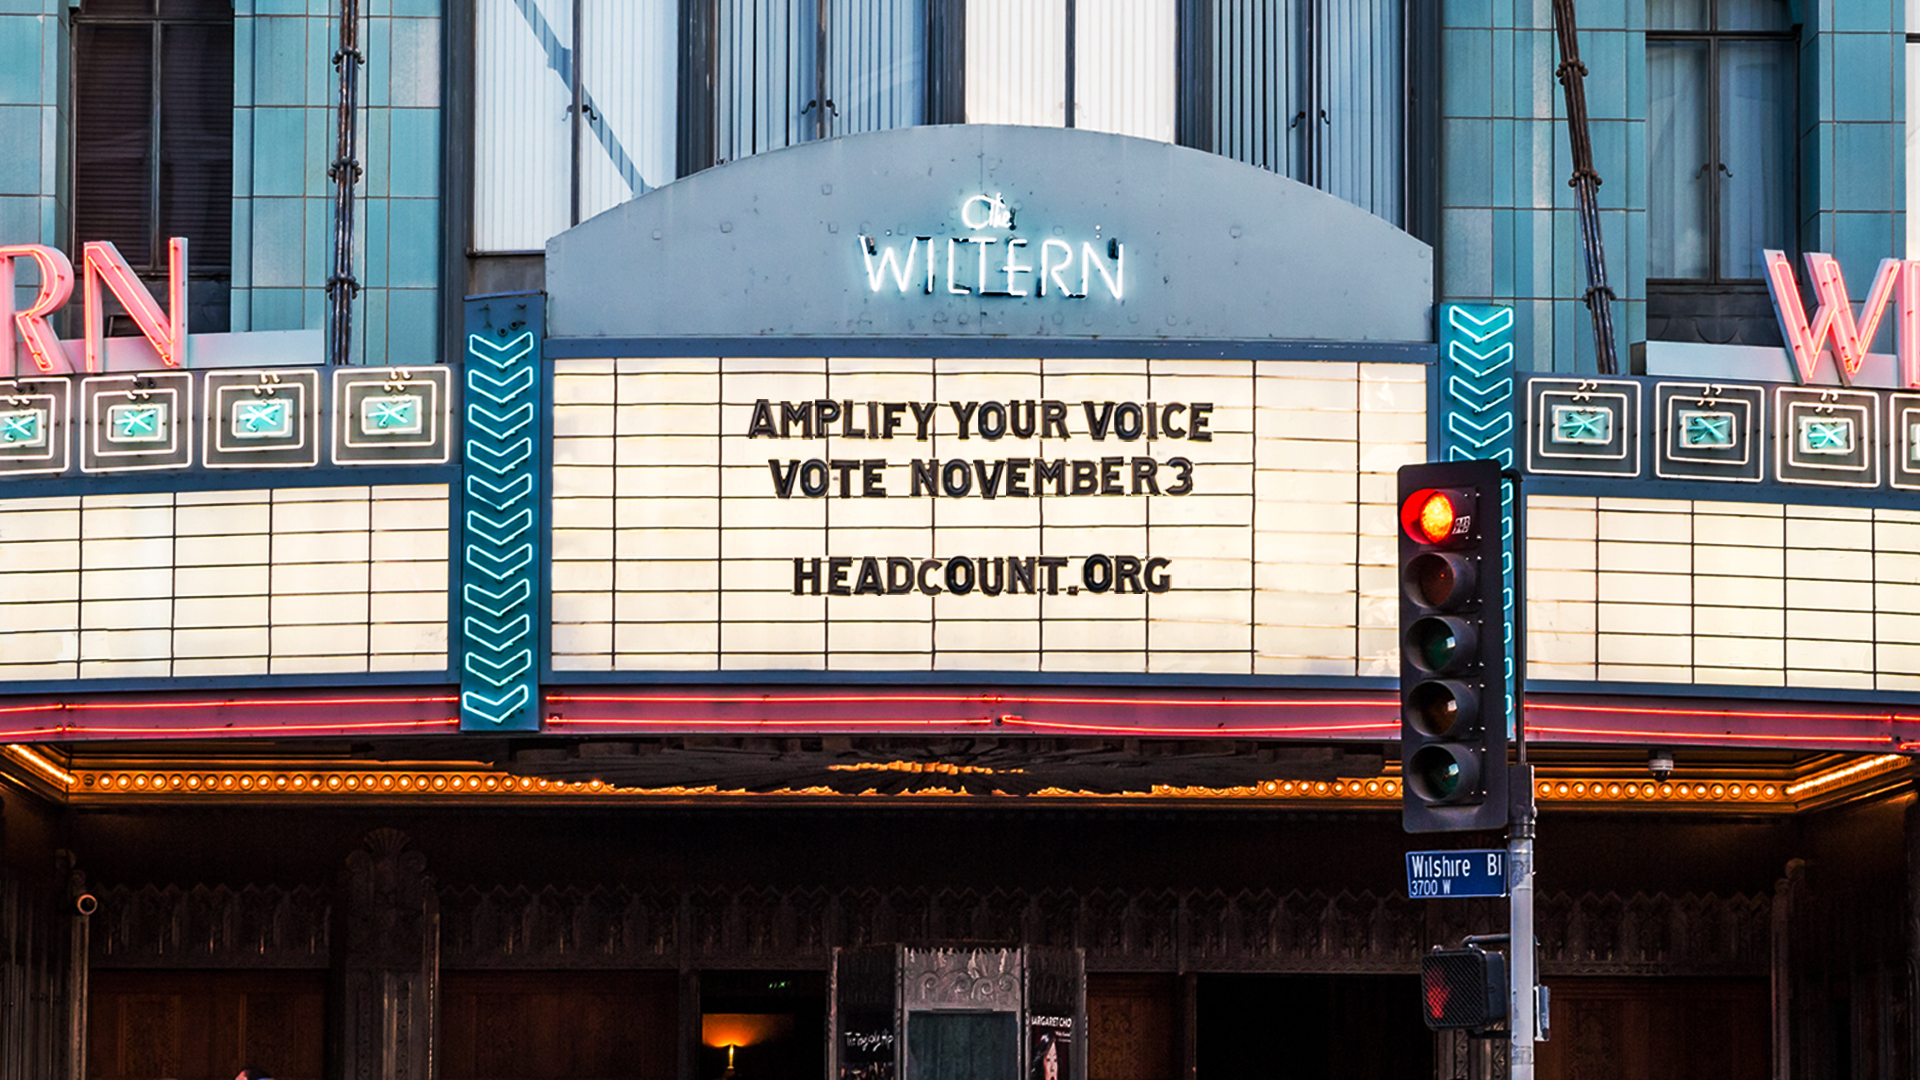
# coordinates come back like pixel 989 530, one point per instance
pixel 165 330
pixel 56 285
pixel 1834 317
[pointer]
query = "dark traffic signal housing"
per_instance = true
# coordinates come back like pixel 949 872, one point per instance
pixel 1453 648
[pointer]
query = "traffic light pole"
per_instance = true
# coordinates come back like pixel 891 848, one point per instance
pixel 1523 1021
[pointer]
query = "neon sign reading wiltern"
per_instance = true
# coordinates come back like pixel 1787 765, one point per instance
pixel 1055 268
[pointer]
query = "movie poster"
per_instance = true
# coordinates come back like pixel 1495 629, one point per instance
pixel 1050 1048
pixel 866 1046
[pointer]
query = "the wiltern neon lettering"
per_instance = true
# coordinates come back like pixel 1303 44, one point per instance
pixel 887 263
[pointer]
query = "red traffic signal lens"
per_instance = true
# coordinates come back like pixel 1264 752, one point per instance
pixel 1431 516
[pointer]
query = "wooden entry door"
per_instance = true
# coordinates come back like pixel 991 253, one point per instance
pixel 1658 1029
pixel 205 1025
pixel 559 1025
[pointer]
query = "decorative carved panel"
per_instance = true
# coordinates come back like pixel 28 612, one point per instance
pixel 616 927
pixel 961 979
pixel 219 927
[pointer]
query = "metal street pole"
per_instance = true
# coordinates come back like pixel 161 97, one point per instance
pixel 1523 1020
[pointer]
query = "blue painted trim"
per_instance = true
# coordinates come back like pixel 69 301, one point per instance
pixel 557 680
pixel 192 684
pixel 1812 695
pixel 992 347
pixel 225 480
pixel 504 510
pixel 1707 491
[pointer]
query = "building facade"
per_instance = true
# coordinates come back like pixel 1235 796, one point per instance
pixel 538 536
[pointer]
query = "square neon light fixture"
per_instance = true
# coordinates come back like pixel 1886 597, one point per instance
pixel 143 422
pixel 1572 424
pixel 396 414
pixel 1826 435
pixel 270 418
pixel 1706 430
pixel 23 428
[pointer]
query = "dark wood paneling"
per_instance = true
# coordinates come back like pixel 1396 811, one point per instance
pixel 202 1025
pixel 602 1025
pixel 1130 1026
pixel 1658 1029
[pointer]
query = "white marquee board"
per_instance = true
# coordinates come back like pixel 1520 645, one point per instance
pixel 674 550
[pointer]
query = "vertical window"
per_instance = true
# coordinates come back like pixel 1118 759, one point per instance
pixel 1311 89
pixel 1104 65
pixel 1913 129
pixel 1720 134
pixel 153 139
pixel 574 112
pixel 790 71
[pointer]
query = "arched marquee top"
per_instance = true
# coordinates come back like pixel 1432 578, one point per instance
pixel 990 231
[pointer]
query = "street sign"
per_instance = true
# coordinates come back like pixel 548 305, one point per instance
pixel 1434 874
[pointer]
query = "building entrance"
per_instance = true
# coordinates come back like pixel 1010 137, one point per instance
pixel 1324 1027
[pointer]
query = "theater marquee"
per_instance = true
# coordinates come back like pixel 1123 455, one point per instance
pixel 1123 516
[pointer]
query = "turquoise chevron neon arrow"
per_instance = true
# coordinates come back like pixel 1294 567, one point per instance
pixel 1504 455
pixel 1479 399
pixel 502 673
pixel 496 636
pixel 499 530
pixel 499 391
pixel 501 496
pixel 500 356
pixel 1480 329
pixel 495 709
pixel 500 567
pixel 501 426
pixel 1476 433
pixel 499 462
pixel 498 603
pixel 1490 361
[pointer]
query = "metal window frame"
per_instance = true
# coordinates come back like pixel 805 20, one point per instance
pixel 157 24
pixel 1196 23
pixel 1715 166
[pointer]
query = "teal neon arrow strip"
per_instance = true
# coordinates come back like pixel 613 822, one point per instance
pixel 500 356
pixel 499 391
pixel 503 673
pixel 500 567
pixel 1481 329
pixel 504 634
pixel 501 531
pixel 1490 361
pixel 496 709
pixel 1480 434
pixel 499 603
pixel 1476 398
pixel 501 426
pixel 499 462
pixel 1504 455
pixel 502 496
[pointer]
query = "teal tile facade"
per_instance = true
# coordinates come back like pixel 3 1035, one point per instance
pixel 1509 230
pixel 36 115
pixel 284 93
pixel 1509 227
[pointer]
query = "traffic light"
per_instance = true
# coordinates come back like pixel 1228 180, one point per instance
pixel 1464 988
pixel 1453 654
